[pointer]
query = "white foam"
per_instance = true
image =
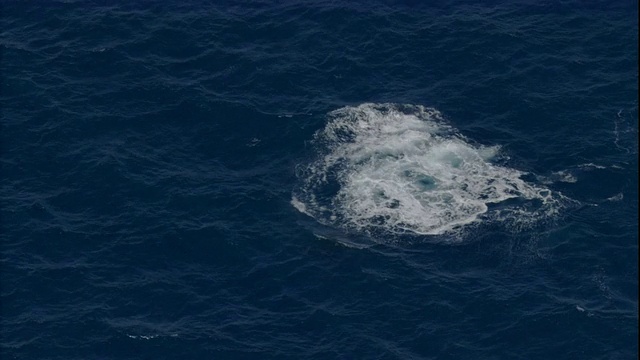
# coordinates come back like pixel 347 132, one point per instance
pixel 300 206
pixel 558 176
pixel 617 197
pixel 401 169
pixel 591 166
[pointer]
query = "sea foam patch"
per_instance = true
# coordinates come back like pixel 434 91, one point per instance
pixel 401 169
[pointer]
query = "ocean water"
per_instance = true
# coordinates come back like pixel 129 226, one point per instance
pixel 319 180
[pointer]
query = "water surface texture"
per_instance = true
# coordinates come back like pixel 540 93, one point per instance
pixel 319 180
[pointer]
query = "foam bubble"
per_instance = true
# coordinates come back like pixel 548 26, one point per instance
pixel 398 169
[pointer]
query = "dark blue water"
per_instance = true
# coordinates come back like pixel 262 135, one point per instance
pixel 319 180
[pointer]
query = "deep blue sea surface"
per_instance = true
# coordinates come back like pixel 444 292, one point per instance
pixel 319 179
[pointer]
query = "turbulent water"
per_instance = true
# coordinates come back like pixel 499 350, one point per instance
pixel 402 170
pixel 320 179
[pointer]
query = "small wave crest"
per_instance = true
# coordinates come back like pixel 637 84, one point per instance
pixel 401 169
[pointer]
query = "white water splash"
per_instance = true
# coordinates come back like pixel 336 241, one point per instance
pixel 398 169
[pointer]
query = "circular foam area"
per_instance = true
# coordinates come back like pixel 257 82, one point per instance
pixel 398 169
